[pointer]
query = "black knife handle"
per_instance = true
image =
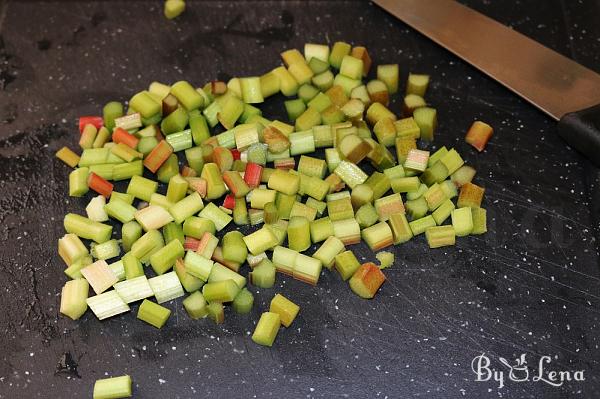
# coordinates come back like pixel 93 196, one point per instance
pixel 581 130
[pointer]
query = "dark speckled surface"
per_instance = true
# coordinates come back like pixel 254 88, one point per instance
pixel 529 286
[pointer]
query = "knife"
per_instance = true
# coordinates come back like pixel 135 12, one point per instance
pixel 557 85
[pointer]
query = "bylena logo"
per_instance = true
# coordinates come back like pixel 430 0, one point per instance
pixel 520 371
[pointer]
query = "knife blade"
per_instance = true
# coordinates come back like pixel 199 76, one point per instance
pixel 557 85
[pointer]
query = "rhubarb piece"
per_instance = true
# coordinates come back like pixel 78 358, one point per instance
pixel 128 122
pixel 260 197
pixel 198 266
pixel 221 291
pixel 411 103
pixel 66 155
pixel 116 387
pixel 378 111
pixel 417 160
pixel 307 269
pixel 298 232
pixel 276 141
pixel 417 84
pixel 88 136
pixel 389 205
pixel 243 301
pixel 132 267
pixel 366 215
pixel 100 276
pixel 284 259
pixel 463 175
pixel 385 131
pixel 86 228
pixel 78 182
pixel 367 280
pixel 215 185
pixel 435 196
pixel 111 111
pixel 479 134
pixel 389 75
pixel 142 188
pixel 187 95
pixel 353 148
pixel 134 289
pixel 378 236
pixel 462 221
pixel 216 312
pixel 386 259
pixel 405 184
pixel 284 182
pixel 479 216
pixel 234 247
pixel 443 212
pixel 266 329
pixel 328 251
pixel 251 90
pixel 362 54
pixel 320 102
pixel 436 173
pixel 470 195
pixel 419 226
pixel 417 208
pixel 147 245
pixel 106 250
pixel 166 287
pixel 449 189
pixel 440 236
pixel 452 161
pixel 153 313
pixel 219 218
pixel 320 229
pixel 351 67
pixel 107 305
pixel 71 249
pixel 236 184
pixel 287 83
pixel 378 92
pixel 263 274
pixel 302 142
pixel 172 9
pixel 317 51
pixel 426 118
pixel 286 309
pixel 401 230
pixel 351 174
pixel 347 230
pixel 164 259
pixel 197 227
pixel 153 217
pixel 195 305
pixel 346 264
pixel 361 94
pixel 158 156
pixel 379 183
pixel 303 210
pixel 73 298
pixel 220 273
pixel 361 194
pixel 407 128
pixel 339 50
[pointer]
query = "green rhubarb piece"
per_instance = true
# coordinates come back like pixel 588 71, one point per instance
pixel 195 305
pixel 243 301
pixel 462 220
pixel 266 329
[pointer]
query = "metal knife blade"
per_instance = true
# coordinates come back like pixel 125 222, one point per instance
pixel 555 84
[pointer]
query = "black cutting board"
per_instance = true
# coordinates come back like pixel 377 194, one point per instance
pixel 530 286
